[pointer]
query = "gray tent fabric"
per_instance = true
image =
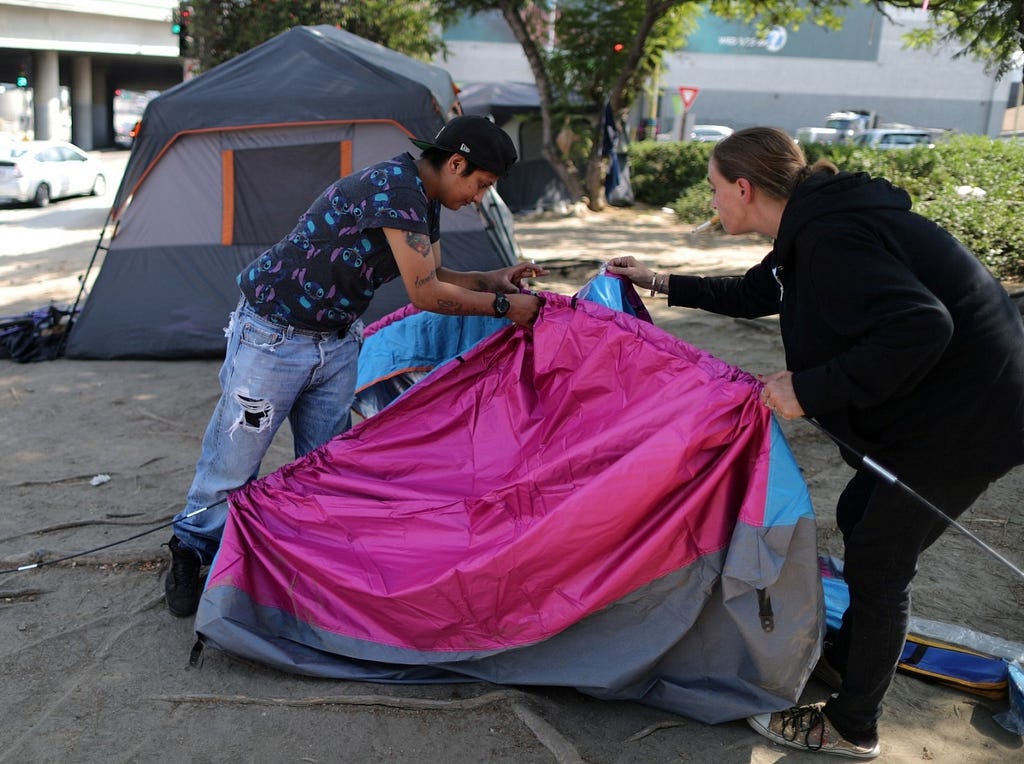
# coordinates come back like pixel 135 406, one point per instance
pixel 501 100
pixel 532 184
pixel 225 163
pixel 307 75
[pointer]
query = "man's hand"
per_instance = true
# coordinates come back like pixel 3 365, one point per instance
pixel 524 308
pixel 511 279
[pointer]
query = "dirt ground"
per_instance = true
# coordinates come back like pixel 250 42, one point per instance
pixel 96 670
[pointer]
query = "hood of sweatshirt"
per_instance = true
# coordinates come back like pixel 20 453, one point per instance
pixel 823 195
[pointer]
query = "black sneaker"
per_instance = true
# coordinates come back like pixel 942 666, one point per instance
pixel 181 586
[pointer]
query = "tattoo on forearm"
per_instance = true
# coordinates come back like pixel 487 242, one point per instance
pixel 419 242
pixel 449 306
pixel 421 280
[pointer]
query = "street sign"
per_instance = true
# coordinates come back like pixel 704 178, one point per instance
pixel 689 95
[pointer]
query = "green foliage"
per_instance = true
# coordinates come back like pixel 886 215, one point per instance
pixel 661 170
pixel 789 13
pixel 596 43
pixel 693 205
pixel 938 180
pixel 989 30
pixel 222 29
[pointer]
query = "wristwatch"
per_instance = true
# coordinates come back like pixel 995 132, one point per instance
pixel 501 305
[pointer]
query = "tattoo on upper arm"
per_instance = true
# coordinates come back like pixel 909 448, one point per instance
pixel 421 280
pixel 419 242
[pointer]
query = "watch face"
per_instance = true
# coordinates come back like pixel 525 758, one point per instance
pixel 501 305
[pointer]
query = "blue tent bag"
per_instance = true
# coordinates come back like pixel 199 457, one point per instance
pixel 1013 720
pixel 954 666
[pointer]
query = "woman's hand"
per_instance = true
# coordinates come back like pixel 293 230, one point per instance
pixel 779 396
pixel 628 266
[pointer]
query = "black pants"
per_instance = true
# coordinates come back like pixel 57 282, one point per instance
pixel 884 531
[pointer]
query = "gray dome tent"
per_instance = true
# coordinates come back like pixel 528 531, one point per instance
pixel 226 162
pixel 531 185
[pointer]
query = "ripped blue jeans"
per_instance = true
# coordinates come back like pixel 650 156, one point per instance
pixel 270 372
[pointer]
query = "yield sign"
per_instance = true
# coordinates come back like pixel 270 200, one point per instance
pixel 689 95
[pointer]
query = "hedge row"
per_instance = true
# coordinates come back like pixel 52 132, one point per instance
pixel 970 185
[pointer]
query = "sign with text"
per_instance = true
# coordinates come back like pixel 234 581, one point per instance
pixel 858 40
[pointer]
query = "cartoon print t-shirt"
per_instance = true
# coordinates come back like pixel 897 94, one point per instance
pixel 323 275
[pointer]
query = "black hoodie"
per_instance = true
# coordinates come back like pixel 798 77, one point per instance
pixel 900 341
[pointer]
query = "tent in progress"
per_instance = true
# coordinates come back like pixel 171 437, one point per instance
pixel 536 511
pixel 403 347
pixel 226 163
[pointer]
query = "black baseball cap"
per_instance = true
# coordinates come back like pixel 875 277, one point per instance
pixel 479 140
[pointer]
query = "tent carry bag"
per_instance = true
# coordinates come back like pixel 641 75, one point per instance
pixel 955 666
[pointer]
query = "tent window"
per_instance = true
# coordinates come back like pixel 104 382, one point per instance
pixel 531 140
pixel 267 189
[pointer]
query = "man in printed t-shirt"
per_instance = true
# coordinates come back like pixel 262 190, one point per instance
pixel 293 341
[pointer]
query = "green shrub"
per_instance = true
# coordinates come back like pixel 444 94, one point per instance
pixel 660 171
pixel 674 174
pixel 693 205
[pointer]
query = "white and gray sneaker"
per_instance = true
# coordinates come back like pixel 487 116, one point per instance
pixel 806 728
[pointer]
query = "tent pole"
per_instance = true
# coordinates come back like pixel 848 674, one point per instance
pixel 82 281
pixel 892 479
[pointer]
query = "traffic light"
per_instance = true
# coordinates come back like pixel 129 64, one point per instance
pixel 180 19
pixel 22 79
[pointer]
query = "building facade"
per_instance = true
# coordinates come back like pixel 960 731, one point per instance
pixel 76 58
pixel 790 78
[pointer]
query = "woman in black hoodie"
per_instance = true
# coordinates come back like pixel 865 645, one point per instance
pixel 901 344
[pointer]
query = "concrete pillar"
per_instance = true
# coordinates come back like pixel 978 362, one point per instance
pixel 81 103
pixel 46 94
pixel 102 113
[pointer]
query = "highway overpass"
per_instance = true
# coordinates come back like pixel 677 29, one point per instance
pixel 75 57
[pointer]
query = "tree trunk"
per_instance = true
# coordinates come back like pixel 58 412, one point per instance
pixel 593 183
pixel 562 165
pixel 597 166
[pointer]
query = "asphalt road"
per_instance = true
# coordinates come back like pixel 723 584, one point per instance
pixel 30 230
pixel 44 252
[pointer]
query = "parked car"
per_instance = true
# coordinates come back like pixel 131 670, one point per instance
pixel 38 171
pixel 817 135
pixel 710 133
pixel 893 138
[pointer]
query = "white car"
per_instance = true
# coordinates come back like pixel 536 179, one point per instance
pixel 710 133
pixel 38 171
pixel 893 138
